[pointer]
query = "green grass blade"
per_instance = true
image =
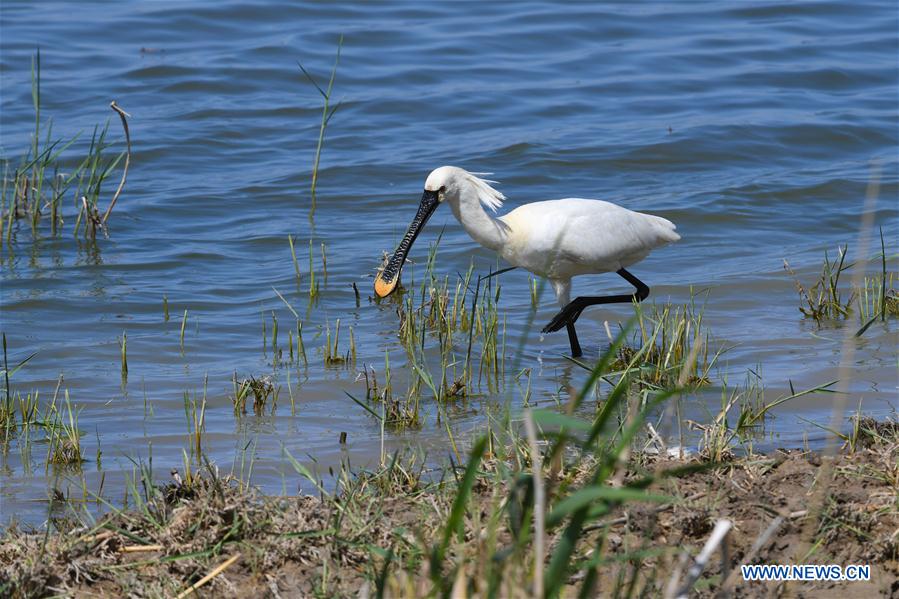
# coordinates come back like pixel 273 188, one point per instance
pixel 454 523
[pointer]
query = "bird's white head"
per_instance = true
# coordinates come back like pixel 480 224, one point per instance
pixel 445 184
pixel 445 181
pixel 449 182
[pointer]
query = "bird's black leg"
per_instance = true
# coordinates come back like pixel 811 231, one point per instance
pixel 572 339
pixel 570 313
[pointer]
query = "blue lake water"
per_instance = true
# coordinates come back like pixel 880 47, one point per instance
pixel 751 125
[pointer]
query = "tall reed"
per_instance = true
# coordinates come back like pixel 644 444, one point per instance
pixel 327 114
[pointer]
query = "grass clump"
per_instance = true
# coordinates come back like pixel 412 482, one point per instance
pixel 878 297
pixel 314 285
pixel 35 189
pixel 454 343
pixel 332 355
pixel 464 321
pixel 23 419
pixel 825 300
pixel 64 447
pixel 664 339
pixel 263 391
pixel 195 415
pixel 397 412
pixel 868 433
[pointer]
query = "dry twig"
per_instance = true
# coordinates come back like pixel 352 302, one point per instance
pixel 122 114
pixel 539 502
pixel 215 572
pixel 141 548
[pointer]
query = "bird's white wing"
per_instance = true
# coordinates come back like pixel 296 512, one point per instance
pixel 574 236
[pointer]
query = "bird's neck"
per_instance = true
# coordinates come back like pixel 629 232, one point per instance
pixel 482 227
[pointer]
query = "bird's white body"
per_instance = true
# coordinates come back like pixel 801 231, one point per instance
pixel 556 239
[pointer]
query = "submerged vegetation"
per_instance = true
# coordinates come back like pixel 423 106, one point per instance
pixel 669 344
pixel 263 390
pixel 34 190
pixel 825 298
pixel 828 299
pixel 27 422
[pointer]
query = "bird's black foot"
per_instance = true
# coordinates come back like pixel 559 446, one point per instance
pixel 570 313
pixel 566 315
pixel 572 339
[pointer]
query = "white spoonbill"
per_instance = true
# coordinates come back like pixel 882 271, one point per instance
pixel 555 239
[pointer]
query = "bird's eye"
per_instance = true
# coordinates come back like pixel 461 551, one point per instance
pixel 442 189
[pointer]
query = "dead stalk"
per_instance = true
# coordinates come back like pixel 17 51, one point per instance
pixel 718 536
pixel 141 548
pixel 215 572
pixel 539 503
pixel 122 115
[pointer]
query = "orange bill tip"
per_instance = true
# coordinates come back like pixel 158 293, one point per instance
pixel 384 288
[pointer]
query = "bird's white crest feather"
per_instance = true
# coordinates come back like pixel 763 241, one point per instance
pixel 489 197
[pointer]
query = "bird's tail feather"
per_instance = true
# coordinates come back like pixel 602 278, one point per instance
pixel 665 229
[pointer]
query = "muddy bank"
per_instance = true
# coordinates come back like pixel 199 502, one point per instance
pixel 381 533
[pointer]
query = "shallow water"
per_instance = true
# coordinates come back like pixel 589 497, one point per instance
pixel 751 126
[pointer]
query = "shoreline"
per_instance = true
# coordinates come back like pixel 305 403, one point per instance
pixel 378 535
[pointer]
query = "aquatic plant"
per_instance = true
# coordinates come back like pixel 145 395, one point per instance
pixel 296 264
pixel 38 184
pixel 873 298
pixel 22 414
pixel 461 317
pixel 195 415
pixel 327 114
pixel 183 328
pixel 661 345
pixel 263 390
pixel 824 299
pixel 742 416
pixel 7 406
pixel 330 352
pixel 97 171
pixel 124 351
pixel 313 284
pixel 64 436
pixel 877 296
pixel 396 412
pixel 300 347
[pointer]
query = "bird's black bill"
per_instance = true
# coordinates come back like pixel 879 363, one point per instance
pixel 387 280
